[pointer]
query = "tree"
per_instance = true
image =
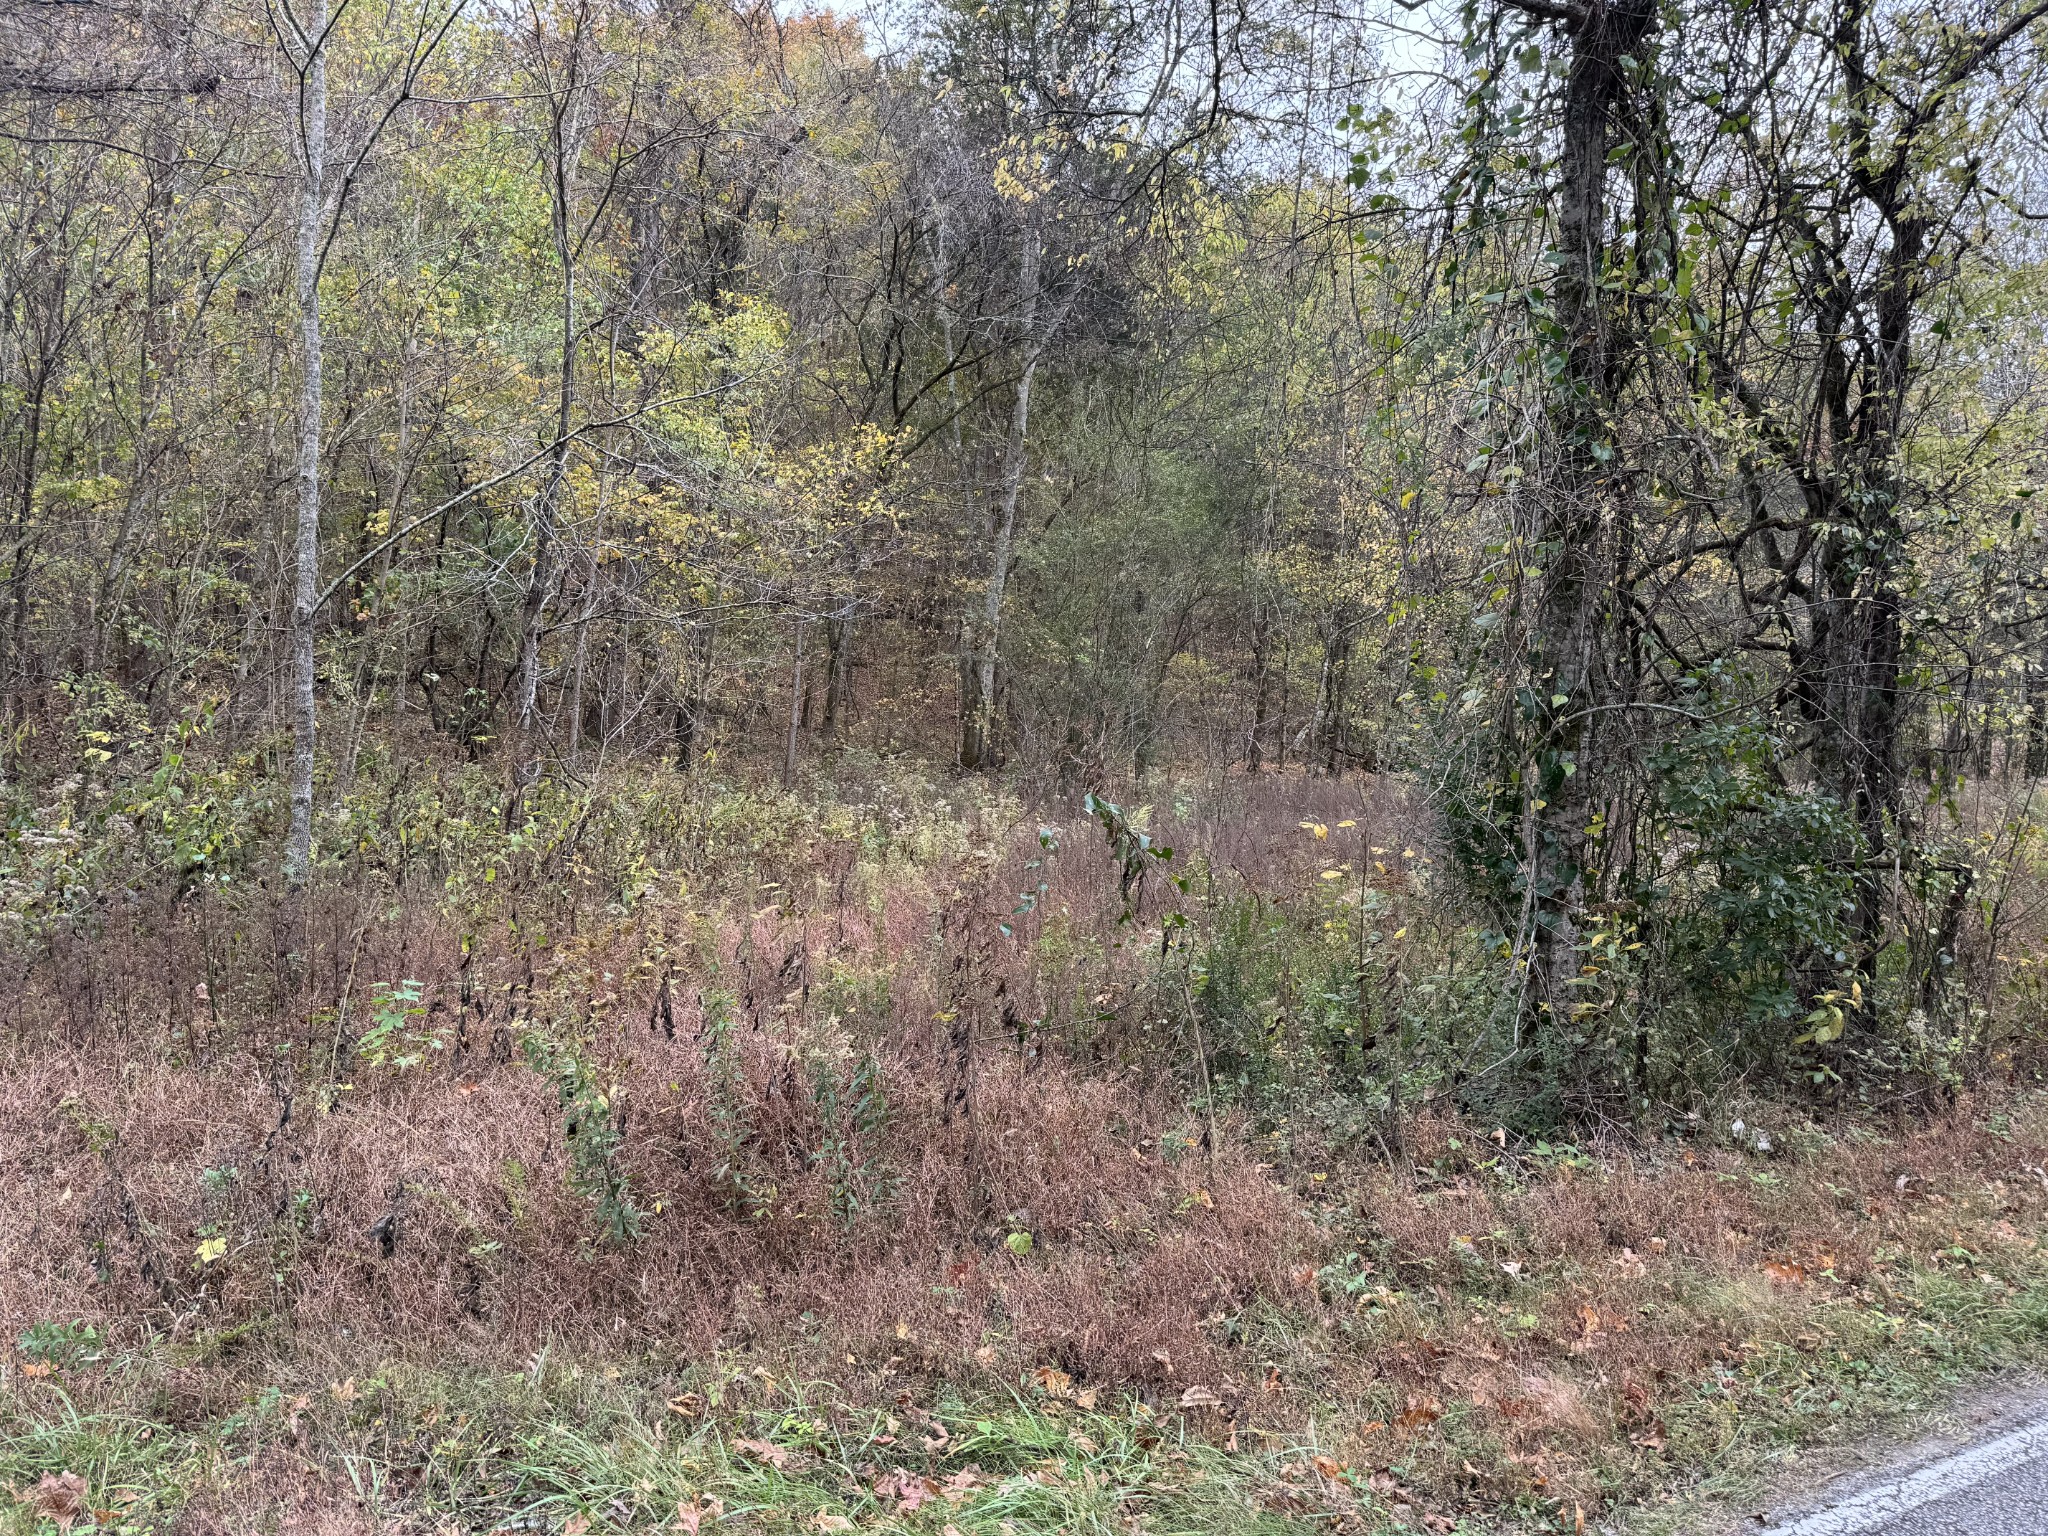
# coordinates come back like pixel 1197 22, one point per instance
pixel 305 43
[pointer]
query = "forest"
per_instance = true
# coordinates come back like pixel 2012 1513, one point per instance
pixel 1013 766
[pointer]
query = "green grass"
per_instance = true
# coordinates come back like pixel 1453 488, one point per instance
pixel 1865 1374
pixel 551 1450
pixel 636 1444
pixel 572 1447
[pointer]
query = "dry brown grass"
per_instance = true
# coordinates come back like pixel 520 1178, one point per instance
pixel 1516 1327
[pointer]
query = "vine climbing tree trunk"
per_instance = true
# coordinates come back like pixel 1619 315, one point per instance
pixel 1576 513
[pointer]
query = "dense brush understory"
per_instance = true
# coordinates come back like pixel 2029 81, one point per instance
pixel 683 1157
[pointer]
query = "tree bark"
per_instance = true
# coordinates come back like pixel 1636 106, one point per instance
pixel 1574 522
pixel 693 714
pixel 978 658
pixel 565 144
pixel 838 674
pixel 306 541
pixel 796 705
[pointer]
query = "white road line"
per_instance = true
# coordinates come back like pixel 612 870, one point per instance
pixel 1956 1474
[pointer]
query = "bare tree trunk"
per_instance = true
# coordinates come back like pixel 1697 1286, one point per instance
pixel 2037 721
pixel 984 626
pixel 838 674
pixel 1262 672
pixel 306 544
pixel 1333 689
pixel 565 134
pixel 22 506
pixel 796 704
pixel 693 714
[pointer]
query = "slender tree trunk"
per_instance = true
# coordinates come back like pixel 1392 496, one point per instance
pixel 1255 743
pixel 984 624
pixel 796 705
pixel 838 674
pixel 540 580
pixel 2037 721
pixel 693 715
pixel 13 657
pixel 306 543
pixel 566 141
pixel 1333 690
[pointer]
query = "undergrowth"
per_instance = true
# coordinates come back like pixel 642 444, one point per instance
pixel 693 1157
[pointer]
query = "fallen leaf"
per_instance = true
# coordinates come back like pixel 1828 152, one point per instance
pixel 764 1450
pixel 961 1485
pixel 1786 1274
pixel 1420 1413
pixel 832 1522
pixel 907 1489
pixel 1052 1381
pixel 692 1513
pixel 60 1496
pixel 35 1370
pixel 1327 1467
pixel 576 1525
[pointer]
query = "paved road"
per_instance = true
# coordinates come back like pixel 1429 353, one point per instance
pixel 1997 1486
